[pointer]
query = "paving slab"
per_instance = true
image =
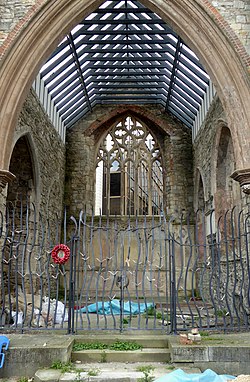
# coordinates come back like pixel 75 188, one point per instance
pixel 114 371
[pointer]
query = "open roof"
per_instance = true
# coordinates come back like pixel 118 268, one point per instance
pixel 123 53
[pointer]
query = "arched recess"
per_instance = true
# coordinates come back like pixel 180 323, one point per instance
pixel 191 19
pixel 226 191
pixel 199 192
pixel 22 164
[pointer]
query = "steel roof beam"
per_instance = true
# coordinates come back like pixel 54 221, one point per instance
pixel 117 32
pixel 77 63
pixel 157 66
pixel 128 21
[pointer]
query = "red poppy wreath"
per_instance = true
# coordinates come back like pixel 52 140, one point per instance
pixel 60 254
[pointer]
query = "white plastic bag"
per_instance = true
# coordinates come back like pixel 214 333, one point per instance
pixel 17 317
pixel 61 313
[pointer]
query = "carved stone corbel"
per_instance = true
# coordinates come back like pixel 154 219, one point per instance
pixel 243 177
pixel 5 178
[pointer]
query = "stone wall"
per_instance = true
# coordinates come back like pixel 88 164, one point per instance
pixel 48 156
pixel 82 142
pixel 178 158
pixel 237 15
pixel 207 149
pixel 47 153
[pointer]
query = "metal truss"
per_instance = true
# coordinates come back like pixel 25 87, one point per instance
pixel 124 53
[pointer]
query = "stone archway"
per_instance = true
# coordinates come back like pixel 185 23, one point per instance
pixel 198 27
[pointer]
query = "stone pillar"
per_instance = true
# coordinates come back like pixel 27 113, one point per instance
pixel 5 177
pixel 243 177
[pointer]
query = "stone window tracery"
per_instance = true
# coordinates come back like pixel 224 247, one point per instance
pixel 129 171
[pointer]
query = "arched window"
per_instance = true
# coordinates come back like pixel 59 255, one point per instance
pixel 129 171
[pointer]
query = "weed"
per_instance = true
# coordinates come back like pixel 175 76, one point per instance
pixel 103 357
pixel 93 372
pixel 170 367
pixel 125 321
pixel 125 346
pixel 22 379
pixel 159 316
pixel 78 377
pixel 150 311
pixel 221 313
pixel 147 371
pixel 117 345
pixel 204 334
pixel 89 346
pixel 63 366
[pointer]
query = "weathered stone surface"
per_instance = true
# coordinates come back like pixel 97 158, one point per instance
pixel 47 375
pixel 48 155
pixel 83 140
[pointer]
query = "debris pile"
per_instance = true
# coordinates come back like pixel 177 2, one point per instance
pixel 193 337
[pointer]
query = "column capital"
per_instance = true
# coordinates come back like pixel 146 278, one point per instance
pixel 243 177
pixel 5 178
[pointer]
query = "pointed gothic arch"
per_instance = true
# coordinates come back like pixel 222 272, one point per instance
pixel 129 176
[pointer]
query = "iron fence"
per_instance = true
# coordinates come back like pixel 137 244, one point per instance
pixel 125 273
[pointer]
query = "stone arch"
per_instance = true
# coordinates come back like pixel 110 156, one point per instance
pixel 24 131
pixel 202 31
pixel 152 119
pixel 200 195
pixel 225 191
pixel 23 165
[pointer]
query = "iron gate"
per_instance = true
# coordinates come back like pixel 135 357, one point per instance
pixel 125 273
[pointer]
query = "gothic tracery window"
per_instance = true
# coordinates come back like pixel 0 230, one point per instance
pixel 129 171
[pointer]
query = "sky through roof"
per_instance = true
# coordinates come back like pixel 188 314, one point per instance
pixel 123 53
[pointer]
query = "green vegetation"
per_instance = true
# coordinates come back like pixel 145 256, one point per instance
pixel 170 367
pixel 117 345
pixel 221 313
pixel 64 367
pixel 151 311
pixel 204 334
pixel 147 371
pixel 125 346
pixel 93 372
pixel 22 379
pixel 103 357
pixel 160 316
pixel 89 346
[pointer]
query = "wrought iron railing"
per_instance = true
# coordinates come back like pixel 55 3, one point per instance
pixel 125 273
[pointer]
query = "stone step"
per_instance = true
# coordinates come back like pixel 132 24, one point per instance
pixel 145 340
pixel 143 355
pixel 115 372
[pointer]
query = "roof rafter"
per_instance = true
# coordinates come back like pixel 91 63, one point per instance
pixel 124 53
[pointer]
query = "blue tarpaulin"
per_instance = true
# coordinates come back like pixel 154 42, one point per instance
pixel 114 307
pixel 207 376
